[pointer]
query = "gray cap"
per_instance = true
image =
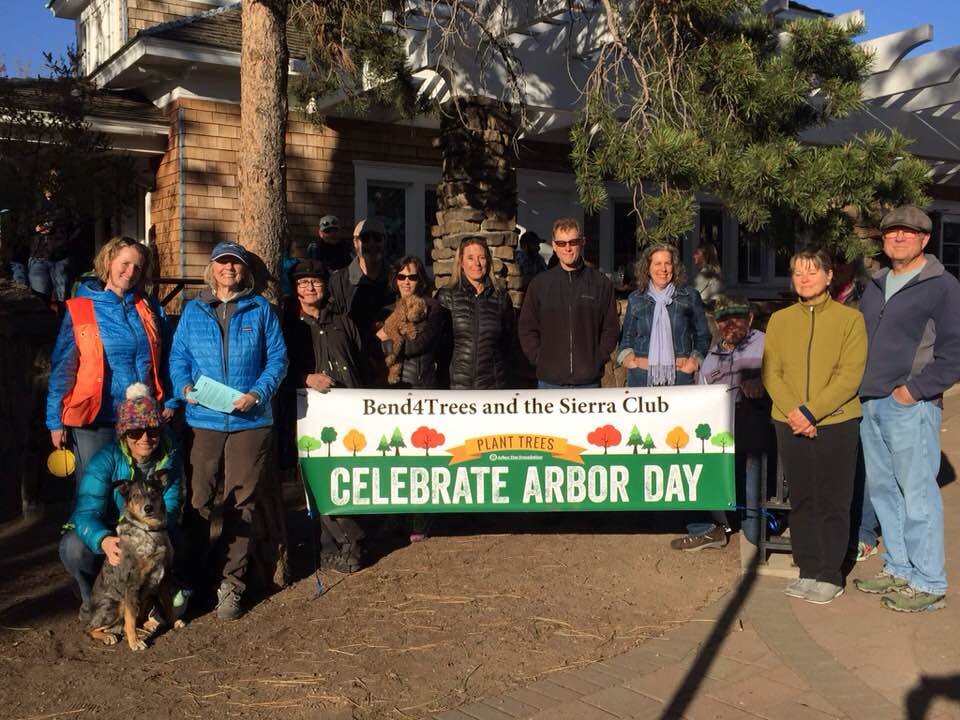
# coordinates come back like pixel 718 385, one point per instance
pixel 329 222
pixel 907 216
pixel 369 225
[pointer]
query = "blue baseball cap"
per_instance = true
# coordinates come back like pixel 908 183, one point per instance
pixel 226 248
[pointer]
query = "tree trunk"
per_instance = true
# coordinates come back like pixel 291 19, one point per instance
pixel 262 190
pixel 261 167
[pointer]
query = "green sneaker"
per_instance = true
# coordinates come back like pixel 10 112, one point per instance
pixel 881 584
pixel 911 600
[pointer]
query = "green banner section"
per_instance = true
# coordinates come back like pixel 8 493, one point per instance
pixel 519 482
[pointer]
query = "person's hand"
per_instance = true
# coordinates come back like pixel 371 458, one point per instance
pixel 319 381
pixel 798 421
pixel 166 414
pixel 687 365
pixel 111 548
pixel 810 432
pixel 903 396
pixel 245 402
pixel 187 389
pixel 382 335
pixel 632 362
pixel 752 389
pixel 58 438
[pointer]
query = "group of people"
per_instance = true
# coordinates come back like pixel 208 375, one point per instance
pixel 118 374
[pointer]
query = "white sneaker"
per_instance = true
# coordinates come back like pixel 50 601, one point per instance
pixel 823 593
pixel 799 587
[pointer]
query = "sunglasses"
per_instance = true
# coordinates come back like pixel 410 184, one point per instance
pixel 152 432
pixel 575 242
pixel 371 237
pixel 412 277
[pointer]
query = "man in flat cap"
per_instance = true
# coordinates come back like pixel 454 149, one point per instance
pixel 913 329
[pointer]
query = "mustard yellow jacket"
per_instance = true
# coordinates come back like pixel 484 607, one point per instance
pixel 813 359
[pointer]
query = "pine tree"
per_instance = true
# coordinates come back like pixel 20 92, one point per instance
pixel 396 441
pixel 384 445
pixel 635 439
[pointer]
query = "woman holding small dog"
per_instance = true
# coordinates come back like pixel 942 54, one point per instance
pixel 412 354
pixel 482 320
pixel 231 335
pixel 143 450
pixel 111 337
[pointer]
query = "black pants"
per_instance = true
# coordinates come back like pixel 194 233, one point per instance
pixel 342 532
pixel 820 473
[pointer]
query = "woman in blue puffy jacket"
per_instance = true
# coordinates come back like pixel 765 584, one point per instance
pixel 665 334
pixel 143 450
pixel 111 337
pixel 230 335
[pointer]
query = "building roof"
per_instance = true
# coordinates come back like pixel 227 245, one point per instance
pixel 220 28
pixel 124 105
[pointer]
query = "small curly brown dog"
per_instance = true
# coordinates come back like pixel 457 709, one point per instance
pixel 123 595
pixel 400 327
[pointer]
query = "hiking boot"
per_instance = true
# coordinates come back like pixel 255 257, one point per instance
pixel 880 584
pixel 865 550
pixel 823 593
pixel 228 602
pixel 911 600
pixel 799 588
pixel 713 538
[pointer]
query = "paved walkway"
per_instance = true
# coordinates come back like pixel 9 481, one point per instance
pixel 757 653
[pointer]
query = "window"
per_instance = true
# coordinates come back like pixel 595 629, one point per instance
pixel 950 243
pixel 711 228
pixel 624 239
pixel 404 198
pixel 99 32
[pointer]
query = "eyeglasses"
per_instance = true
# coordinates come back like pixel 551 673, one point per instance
pixel 412 277
pixel 136 433
pixel 310 282
pixel 575 242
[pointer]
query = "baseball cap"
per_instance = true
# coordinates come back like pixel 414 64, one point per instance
pixel 908 216
pixel 369 225
pixel 329 222
pixel 230 248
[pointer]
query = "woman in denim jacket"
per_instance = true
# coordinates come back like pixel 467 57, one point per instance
pixel 665 334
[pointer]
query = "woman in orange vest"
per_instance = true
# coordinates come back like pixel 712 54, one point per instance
pixel 112 336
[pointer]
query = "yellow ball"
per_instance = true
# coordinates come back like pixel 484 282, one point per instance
pixel 61 463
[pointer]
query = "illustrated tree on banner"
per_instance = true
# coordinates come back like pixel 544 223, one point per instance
pixel 722 440
pixel 396 441
pixel 329 436
pixel 605 436
pixel 384 447
pixel 703 432
pixel 635 440
pixel 426 438
pixel 677 438
pixel 308 444
pixel 354 441
pixel 648 443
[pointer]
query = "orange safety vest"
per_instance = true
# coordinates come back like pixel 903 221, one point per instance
pixel 82 403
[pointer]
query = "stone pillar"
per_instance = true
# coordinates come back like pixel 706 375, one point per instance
pixel 477 194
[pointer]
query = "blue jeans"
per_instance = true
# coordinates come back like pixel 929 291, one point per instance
pixel 541 385
pixel 49 277
pixel 81 562
pixel 18 273
pixel 901 452
pixel 85 443
pixel 637 377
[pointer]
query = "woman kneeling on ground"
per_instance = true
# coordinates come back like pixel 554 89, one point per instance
pixel 813 362
pixel 143 450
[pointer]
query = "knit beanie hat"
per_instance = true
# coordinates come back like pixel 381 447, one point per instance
pixel 139 410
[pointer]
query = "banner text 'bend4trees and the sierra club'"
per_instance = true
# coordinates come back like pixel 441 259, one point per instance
pixel 391 451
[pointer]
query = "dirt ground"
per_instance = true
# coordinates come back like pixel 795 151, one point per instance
pixel 485 605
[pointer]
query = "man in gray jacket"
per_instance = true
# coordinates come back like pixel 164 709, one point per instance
pixel 913 356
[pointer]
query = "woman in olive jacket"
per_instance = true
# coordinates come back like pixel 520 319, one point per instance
pixel 481 320
pixel 813 362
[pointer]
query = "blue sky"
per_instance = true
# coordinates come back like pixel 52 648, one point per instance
pixel 28 28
